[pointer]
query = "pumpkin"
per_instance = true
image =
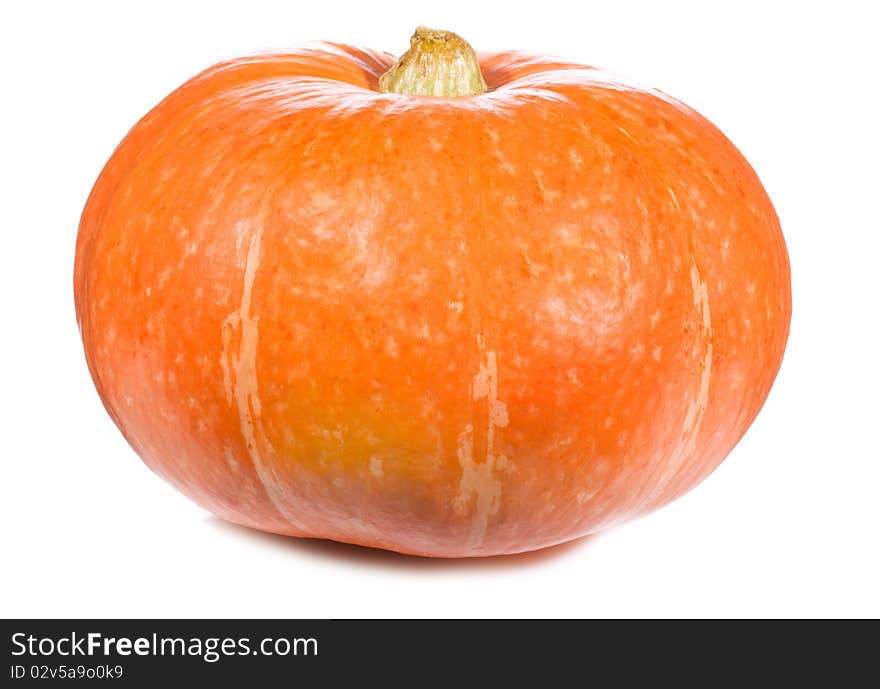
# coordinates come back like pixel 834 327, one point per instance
pixel 453 305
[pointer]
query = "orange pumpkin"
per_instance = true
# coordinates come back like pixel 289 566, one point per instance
pixel 473 306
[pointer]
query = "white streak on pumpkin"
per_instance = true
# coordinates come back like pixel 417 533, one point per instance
pixel 478 480
pixel 240 378
pixel 693 420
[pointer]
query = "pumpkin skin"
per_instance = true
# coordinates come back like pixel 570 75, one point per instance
pixel 442 326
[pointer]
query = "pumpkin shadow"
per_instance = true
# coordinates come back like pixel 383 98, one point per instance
pixel 362 556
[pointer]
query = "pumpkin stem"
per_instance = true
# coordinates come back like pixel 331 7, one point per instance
pixel 438 63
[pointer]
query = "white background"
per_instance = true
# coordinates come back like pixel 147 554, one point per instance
pixel 788 526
